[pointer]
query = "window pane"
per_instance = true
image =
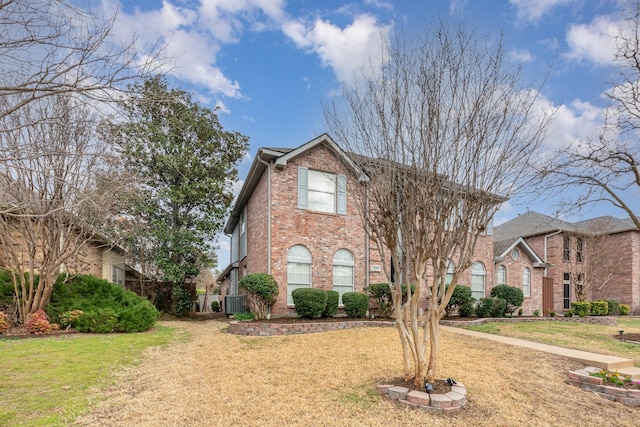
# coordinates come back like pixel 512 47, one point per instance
pixel 526 282
pixel 343 269
pixel 502 275
pixel 323 202
pixel 477 280
pixel 322 181
pixel 298 270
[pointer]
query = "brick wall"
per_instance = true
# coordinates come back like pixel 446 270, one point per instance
pixel 515 269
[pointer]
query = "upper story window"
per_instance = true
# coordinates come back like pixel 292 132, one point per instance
pixel 502 275
pixel 322 191
pixel 579 249
pixel 566 248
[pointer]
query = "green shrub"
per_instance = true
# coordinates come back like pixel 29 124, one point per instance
pixel 568 313
pixel 581 308
pixel 498 308
pixel 183 300
pixel 461 295
pixel 381 294
pixel 520 311
pixel 552 313
pixel 613 306
pixel 599 308
pixel 106 307
pixel 355 304
pixel 513 297
pixel 262 291
pixel 484 306
pixel 309 302
pixel 243 316
pixel 331 309
pixel 624 309
pixel 68 319
pixel 536 313
pixel 215 306
pixel 467 309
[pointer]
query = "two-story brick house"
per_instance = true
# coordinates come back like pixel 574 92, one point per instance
pixel 598 258
pixel 296 218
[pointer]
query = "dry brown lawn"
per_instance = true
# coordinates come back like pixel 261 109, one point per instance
pixel 214 378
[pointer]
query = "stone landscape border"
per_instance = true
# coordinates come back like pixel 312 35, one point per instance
pixel 265 329
pixel 582 378
pixel 445 403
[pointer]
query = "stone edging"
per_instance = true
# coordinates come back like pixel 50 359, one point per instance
pixel 446 403
pixel 582 379
pixel 592 320
pixel 268 329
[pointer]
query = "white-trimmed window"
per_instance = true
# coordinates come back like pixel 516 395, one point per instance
pixel 343 272
pixel 117 275
pixel 448 278
pixel 526 282
pixel 298 270
pixel 502 275
pixel 322 191
pixel 243 233
pixel 477 280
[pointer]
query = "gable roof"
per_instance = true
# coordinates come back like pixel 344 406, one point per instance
pixel 501 249
pixel 280 157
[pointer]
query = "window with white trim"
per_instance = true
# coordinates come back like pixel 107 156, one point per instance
pixel 298 270
pixel 448 278
pixel 243 233
pixel 502 275
pixel 343 272
pixel 117 275
pixel 477 280
pixel 526 282
pixel 322 191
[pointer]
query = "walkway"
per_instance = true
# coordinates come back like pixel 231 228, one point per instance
pixel 613 363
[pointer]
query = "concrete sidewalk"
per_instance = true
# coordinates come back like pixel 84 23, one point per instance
pixel 613 363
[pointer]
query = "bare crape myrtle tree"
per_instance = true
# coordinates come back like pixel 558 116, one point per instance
pixel 444 133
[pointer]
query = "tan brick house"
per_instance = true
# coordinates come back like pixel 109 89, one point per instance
pixel 296 219
pixel 598 258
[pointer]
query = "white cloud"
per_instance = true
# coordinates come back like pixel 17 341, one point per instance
pixel 594 41
pixel 521 56
pixel 533 10
pixel 380 4
pixel 457 6
pixel 349 51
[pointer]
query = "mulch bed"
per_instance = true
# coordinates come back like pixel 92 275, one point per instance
pixel 634 338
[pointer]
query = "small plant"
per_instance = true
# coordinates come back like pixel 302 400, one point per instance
pixel 536 313
pixel 552 313
pixel 215 306
pixel 68 318
pixel 624 309
pixel 4 325
pixel 615 379
pixel 243 316
pixel 39 324
pixel 568 313
pixel 356 304
pixel 520 311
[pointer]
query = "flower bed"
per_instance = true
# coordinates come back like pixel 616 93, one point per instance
pixel 584 379
pixel 446 403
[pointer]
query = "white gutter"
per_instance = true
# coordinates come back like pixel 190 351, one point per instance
pixel 268 212
pixel 545 248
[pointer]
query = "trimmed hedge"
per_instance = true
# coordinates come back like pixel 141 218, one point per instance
pixel 499 307
pixel 613 306
pixel 467 309
pixel 461 296
pixel 581 308
pixel 106 307
pixel 599 308
pixel 309 302
pixel 624 309
pixel 484 306
pixel 331 309
pixel 355 304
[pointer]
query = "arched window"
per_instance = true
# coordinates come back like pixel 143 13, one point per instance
pixel 449 276
pixel 477 280
pixel 298 270
pixel 502 275
pixel 526 282
pixel 343 277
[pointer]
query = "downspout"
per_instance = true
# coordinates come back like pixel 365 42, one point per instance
pixel 268 165
pixel 545 248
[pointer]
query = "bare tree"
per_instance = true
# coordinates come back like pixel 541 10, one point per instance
pixel 440 131
pixel 57 185
pixel 607 168
pixel 50 47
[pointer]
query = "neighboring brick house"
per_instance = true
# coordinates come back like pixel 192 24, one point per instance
pixel 296 218
pixel 598 258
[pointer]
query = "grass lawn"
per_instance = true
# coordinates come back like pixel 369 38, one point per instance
pixel 48 381
pixel 579 336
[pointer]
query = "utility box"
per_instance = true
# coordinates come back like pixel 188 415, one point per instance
pixel 234 304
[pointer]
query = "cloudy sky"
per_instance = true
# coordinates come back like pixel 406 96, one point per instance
pixel 268 64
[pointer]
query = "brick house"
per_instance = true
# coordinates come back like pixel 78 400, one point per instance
pixel 296 218
pixel 598 258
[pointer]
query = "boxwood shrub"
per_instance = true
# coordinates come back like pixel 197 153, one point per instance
pixel 355 304
pixel 613 306
pixel 381 294
pixel 484 306
pixel 331 309
pixel 581 308
pixel 624 309
pixel 467 309
pixel 105 306
pixel 499 307
pixel 599 308
pixel 309 302
pixel 461 296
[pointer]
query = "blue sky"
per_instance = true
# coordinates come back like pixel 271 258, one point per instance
pixel 268 64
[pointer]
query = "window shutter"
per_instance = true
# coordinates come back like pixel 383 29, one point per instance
pixel 342 194
pixel 302 187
